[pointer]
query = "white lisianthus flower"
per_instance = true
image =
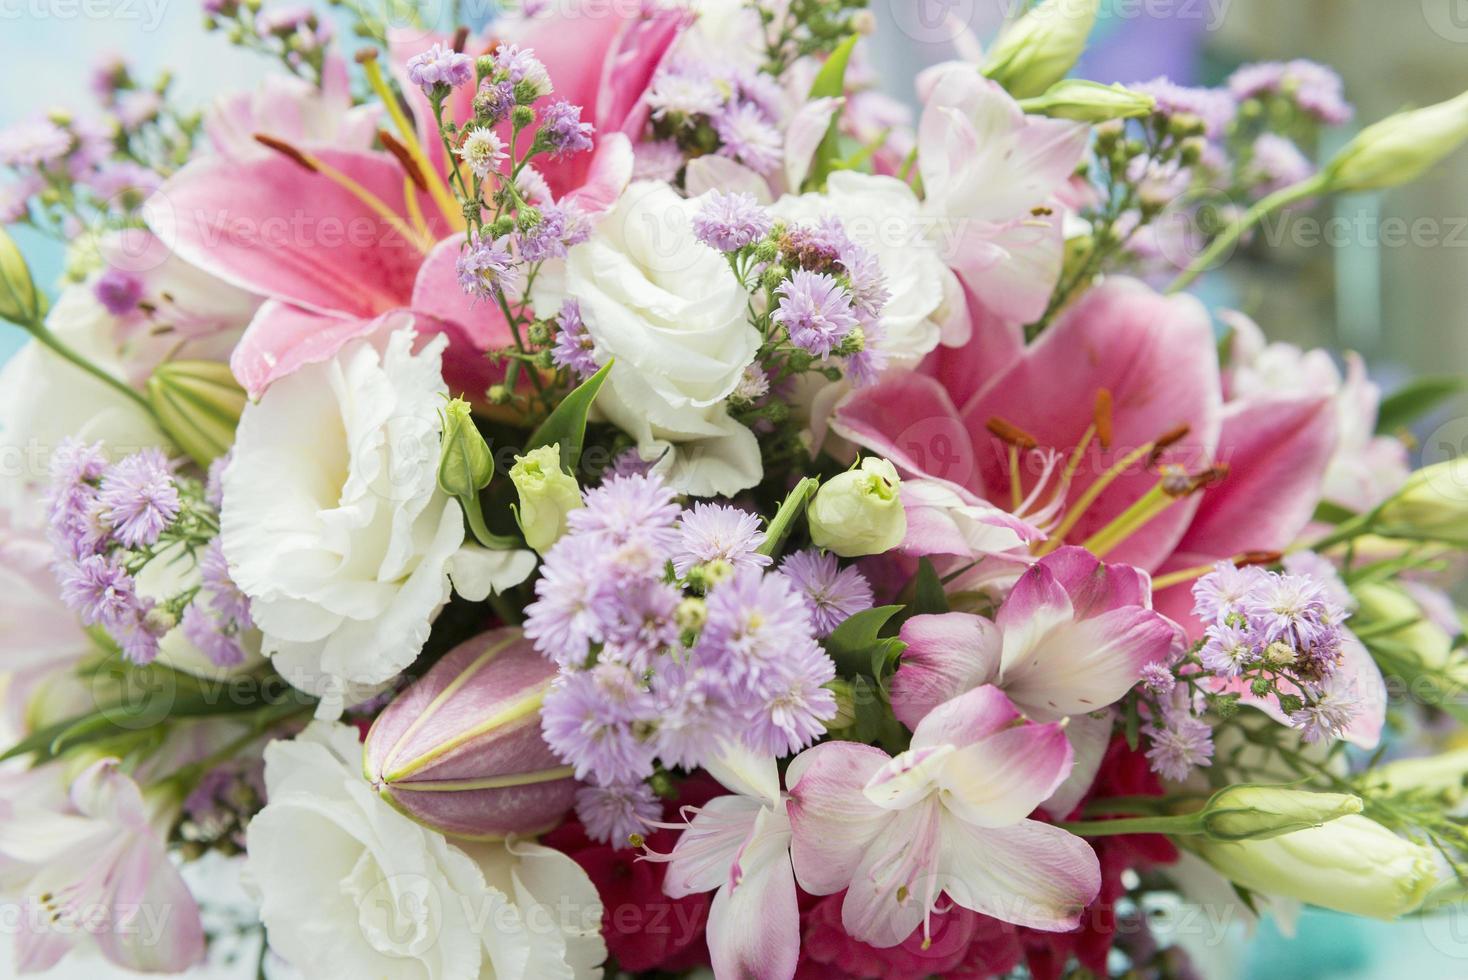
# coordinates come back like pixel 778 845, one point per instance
pixel 885 217
pixel 672 314
pixel 335 527
pixel 349 887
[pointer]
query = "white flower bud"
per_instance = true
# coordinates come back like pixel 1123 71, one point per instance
pixel 1042 46
pixel 547 495
pixel 859 512
pixel 1400 148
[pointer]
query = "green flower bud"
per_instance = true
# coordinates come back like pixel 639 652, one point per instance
pixel 1444 775
pixel 20 302
pixel 1432 505
pixel 1350 864
pixel 465 466
pixel 1042 46
pixel 547 495
pixel 1380 604
pixel 522 116
pixel 1261 812
pixel 198 405
pixel 1400 148
pixel 1092 102
pixel 859 512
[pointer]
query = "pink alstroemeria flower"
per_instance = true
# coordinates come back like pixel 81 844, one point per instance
pixel 94 867
pixel 1071 640
pixel 1109 432
pixel 948 816
pixel 738 847
pixel 991 175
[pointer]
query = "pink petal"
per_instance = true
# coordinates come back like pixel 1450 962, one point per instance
pixel 946 655
pixel 607 176
pixel 436 292
pixel 910 420
pixel 154 924
pixel 1001 779
pixel 966 719
pixel 902 862
pixel 995 343
pixel 1156 357
pixel 754 922
pixel 708 848
pixel 282 339
pixel 1095 587
pixel 1030 874
pixel 1013 265
pixel 1036 607
pixel 269 226
pixel 1089 736
pixel 832 820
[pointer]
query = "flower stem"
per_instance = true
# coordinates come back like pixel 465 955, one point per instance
pixel 59 347
pixel 1231 235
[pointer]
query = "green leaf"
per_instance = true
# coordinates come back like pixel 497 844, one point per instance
pixel 567 424
pixel 928 598
pixel 830 83
pixel 1411 402
pixel 858 647
pixel 1329 513
pixel 785 517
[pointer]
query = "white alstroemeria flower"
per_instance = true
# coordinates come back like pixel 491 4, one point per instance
pixel 674 317
pixel 349 887
pixel 335 527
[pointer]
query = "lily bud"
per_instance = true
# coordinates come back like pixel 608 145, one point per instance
pixel 465 466
pixel 1351 864
pixel 859 512
pixel 1078 99
pixel 1432 505
pixel 1261 812
pixel 198 405
pixel 461 751
pixel 1400 148
pixel 20 302
pixel 1042 46
pixel 547 494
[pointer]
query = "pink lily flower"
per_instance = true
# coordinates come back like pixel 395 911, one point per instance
pixel 96 868
pixel 1071 640
pixel 948 816
pixel 991 175
pixel 738 846
pixel 292 109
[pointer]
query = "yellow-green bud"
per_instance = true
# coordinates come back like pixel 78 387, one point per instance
pixel 859 512
pixel 1380 604
pixel 1261 812
pixel 1444 775
pixel 1042 46
pixel 1433 504
pixel 547 495
pixel 198 405
pixel 465 466
pixel 691 614
pixel 1350 864
pixel 1400 148
pixel 1084 101
pixel 20 302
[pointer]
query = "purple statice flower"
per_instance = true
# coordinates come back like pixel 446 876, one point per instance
pixel 864 368
pixel 587 726
pixel 1315 88
pixel 574 349
pixel 520 66
pixel 138 633
pixel 1224 591
pixel 795 706
pixel 1216 108
pixel 139 498
pixel 37 143
pixel 716 532
pixel 761 90
pixel 1278 163
pixel 561 228
pixel 831 593
pixel 1316 566
pixel 747 135
pixel 118 291
pixel 204 629
pixel 613 814
pixel 728 222
pixel 756 623
pixel 486 269
pixel 753 385
pixel 562 130
pixel 869 292
pixel 1228 649
pixel 1326 716
pixel 561 621
pixel 816 312
pixel 118 180
pixel 693 713
pixel 685 89
pixel 440 65
pixel 493 101
pixel 1179 745
pixel 631 510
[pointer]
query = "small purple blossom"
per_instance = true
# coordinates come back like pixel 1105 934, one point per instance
pixel 795 708
pixel 520 66
pixel 728 222
pixel 1228 649
pixel 716 532
pixel 494 101
pixel 831 593
pixel 139 498
pixel 440 65
pixel 816 312
pixel 562 130
pixel 1316 89
pixel 486 269
pixel 756 622
pixel 1158 679
pixel 613 814
pixel 561 228
pixel 562 621
pixel 1215 108
pixel 1327 716
pixel 748 136
pixel 574 349
pixel 37 143
pixel 1224 590
pixel 203 629
pixel 630 510
pixel 594 732
pixel 100 591
pixel 1179 745
pixel 692 712
pixel 684 90
pixel 118 291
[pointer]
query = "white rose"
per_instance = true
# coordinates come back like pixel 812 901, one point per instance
pixel 333 523
pixel 675 318
pixel 349 887
pixel 884 216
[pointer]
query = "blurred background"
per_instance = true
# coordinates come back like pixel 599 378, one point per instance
pixel 1386 275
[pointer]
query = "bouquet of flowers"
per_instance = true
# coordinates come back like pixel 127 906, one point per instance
pixel 613 491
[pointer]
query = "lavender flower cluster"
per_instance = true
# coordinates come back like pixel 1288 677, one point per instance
pixel 673 633
pixel 108 521
pixel 697 105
